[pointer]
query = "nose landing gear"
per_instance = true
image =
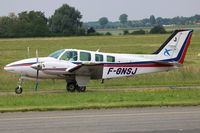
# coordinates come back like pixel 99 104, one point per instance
pixel 18 89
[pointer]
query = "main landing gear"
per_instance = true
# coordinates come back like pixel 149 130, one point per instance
pixel 72 86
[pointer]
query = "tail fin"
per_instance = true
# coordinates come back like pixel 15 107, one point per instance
pixel 175 47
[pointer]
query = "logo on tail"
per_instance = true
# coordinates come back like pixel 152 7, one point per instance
pixel 167 52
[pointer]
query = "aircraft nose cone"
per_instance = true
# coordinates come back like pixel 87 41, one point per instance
pixel 6 68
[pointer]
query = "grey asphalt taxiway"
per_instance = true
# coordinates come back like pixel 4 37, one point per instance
pixel 132 120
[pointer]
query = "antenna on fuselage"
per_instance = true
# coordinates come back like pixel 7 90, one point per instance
pixel 28 52
pixel 98 50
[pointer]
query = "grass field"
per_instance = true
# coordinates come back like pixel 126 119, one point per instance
pixel 100 99
pixel 16 49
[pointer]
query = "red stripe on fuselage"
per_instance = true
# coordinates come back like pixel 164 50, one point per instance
pixel 54 69
pixel 18 65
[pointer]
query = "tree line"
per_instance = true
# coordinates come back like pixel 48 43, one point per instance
pixel 66 21
pixel 147 22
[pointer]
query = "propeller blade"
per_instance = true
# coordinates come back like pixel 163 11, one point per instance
pixel 36 52
pixel 37 82
pixel 37 60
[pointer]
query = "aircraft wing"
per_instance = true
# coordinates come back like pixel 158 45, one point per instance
pixel 93 70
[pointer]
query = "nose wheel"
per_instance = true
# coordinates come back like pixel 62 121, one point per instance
pixel 18 89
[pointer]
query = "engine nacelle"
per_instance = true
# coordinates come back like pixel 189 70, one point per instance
pixel 57 67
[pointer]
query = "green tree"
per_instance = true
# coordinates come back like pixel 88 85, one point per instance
pixel 103 21
pixel 123 18
pixel 33 23
pixel 8 25
pixel 25 24
pixel 4 25
pixel 159 29
pixel 66 21
pixel 152 20
pixel 138 32
pixel 126 32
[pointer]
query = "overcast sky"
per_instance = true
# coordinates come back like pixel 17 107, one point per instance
pixel 92 10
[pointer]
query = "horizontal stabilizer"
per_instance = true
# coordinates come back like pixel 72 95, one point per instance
pixel 176 64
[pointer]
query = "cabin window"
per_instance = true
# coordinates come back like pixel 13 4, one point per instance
pixel 69 56
pixel 85 56
pixel 99 57
pixel 110 59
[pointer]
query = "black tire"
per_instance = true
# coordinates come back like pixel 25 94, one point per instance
pixel 71 86
pixel 81 89
pixel 18 90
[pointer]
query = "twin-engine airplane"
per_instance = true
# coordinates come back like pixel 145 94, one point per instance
pixel 78 67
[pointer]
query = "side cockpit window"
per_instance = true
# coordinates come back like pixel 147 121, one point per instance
pixel 110 59
pixel 69 56
pixel 85 56
pixel 98 57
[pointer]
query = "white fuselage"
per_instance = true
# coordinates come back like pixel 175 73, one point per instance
pixel 56 68
pixel 78 67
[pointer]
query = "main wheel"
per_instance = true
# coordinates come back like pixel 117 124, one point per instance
pixel 71 86
pixel 81 89
pixel 18 90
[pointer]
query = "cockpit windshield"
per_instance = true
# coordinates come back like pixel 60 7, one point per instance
pixel 69 56
pixel 57 54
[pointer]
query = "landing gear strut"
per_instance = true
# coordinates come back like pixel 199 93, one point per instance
pixel 72 86
pixel 18 89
